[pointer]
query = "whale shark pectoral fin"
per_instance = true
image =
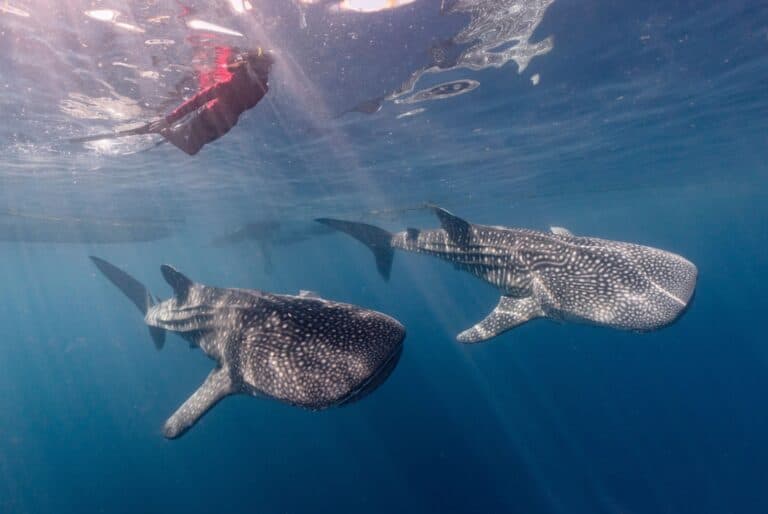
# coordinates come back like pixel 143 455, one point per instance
pixel 308 294
pixel 560 231
pixel 457 228
pixel 509 313
pixel 216 386
pixel 177 280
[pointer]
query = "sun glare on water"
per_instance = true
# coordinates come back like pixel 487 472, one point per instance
pixel 366 6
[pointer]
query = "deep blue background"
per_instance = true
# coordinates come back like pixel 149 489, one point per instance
pixel 548 418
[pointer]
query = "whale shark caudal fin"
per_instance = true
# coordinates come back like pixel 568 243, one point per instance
pixel 135 291
pixel 377 239
pixel 509 313
pixel 178 281
pixel 457 228
pixel 216 386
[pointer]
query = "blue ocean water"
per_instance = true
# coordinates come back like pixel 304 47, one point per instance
pixel 634 121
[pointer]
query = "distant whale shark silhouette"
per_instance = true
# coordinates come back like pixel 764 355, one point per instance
pixel 273 231
pixel 552 275
pixel 302 350
pixel 40 228
pixel 270 233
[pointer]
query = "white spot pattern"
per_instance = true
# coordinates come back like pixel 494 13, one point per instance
pixel 302 350
pixel 588 280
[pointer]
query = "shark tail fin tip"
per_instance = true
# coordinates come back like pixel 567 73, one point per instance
pixel 135 291
pixel 158 337
pixel 378 240
pixel 132 288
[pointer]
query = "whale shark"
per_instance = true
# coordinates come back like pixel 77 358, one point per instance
pixel 553 274
pixel 271 233
pixel 31 227
pixel 302 350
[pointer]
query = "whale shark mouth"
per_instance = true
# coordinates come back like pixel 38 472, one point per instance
pixel 377 378
pixel 675 298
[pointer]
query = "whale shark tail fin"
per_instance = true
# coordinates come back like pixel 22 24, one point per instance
pixel 377 239
pixel 136 293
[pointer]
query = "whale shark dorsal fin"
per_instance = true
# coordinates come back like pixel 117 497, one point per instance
pixel 216 386
pixel 560 231
pixel 308 294
pixel 412 234
pixel 457 228
pixel 509 313
pixel 177 280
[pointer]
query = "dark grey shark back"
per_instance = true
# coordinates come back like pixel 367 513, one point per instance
pixel 610 283
pixel 675 274
pixel 312 352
